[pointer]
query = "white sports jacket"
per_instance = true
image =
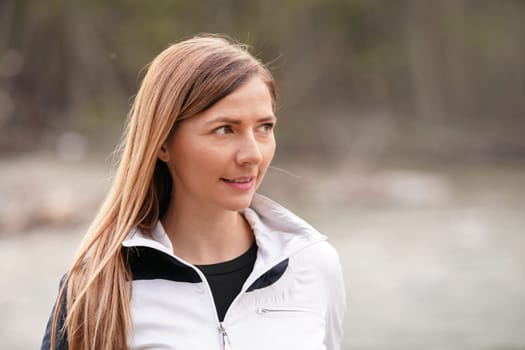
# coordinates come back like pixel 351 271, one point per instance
pixel 293 299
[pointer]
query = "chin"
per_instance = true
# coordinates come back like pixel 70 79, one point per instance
pixel 237 204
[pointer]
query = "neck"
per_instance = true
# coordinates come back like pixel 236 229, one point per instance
pixel 206 236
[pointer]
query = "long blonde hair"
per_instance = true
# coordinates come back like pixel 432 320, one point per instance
pixel 183 80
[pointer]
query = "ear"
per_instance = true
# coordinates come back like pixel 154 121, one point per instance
pixel 164 153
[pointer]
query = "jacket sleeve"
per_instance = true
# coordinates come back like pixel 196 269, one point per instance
pixel 336 303
pixel 61 341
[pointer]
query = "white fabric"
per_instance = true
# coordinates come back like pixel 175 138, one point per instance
pixel 304 309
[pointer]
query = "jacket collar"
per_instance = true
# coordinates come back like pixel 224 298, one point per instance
pixel 278 232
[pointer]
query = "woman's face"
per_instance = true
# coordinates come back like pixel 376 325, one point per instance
pixel 219 157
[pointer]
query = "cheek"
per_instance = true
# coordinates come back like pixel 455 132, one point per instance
pixel 269 152
pixel 196 162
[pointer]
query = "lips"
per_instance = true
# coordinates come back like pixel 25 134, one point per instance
pixel 240 183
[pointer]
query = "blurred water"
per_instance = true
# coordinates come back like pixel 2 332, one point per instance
pixel 433 258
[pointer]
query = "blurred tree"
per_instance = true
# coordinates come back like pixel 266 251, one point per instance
pixel 438 77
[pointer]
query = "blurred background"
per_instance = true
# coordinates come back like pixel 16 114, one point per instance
pixel 401 136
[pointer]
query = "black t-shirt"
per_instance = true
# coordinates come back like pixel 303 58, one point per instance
pixel 227 278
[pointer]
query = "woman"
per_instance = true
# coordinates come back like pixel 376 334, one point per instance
pixel 183 254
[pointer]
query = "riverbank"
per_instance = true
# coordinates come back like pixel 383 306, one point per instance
pixel 433 256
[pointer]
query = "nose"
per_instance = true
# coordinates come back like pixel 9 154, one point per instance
pixel 249 151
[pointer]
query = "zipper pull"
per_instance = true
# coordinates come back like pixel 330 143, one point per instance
pixel 225 339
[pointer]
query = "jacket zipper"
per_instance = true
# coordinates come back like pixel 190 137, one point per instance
pixel 226 345
pixel 264 310
pixel 225 339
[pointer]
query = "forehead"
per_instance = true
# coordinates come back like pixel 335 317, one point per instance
pixel 254 95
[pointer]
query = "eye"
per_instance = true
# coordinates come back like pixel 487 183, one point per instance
pixel 267 127
pixel 223 130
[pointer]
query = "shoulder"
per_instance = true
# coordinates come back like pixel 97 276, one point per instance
pixel 322 258
pixel 61 333
pixel 317 271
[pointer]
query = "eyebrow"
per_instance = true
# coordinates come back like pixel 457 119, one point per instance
pixel 270 118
